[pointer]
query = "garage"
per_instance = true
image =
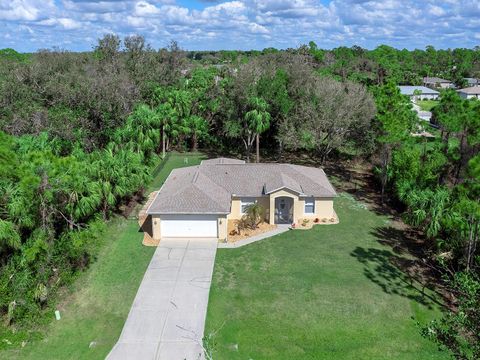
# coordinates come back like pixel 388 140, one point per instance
pixel 182 226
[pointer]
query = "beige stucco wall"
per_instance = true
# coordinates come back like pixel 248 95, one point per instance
pixel 222 227
pixel 323 206
pixel 323 209
pixel 156 227
pixel 236 208
pixel 296 204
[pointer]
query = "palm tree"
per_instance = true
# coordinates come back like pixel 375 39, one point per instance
pixel 258 120
pixel 254 214
pixel 9 237
pixel 198 127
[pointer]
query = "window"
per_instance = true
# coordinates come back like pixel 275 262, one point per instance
pixel 246 202
pixel 310 206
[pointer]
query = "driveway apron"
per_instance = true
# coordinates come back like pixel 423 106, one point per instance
pixel 167 318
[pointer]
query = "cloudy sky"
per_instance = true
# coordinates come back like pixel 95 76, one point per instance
pixel 28 25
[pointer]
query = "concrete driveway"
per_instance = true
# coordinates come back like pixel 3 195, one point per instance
pixel 167 317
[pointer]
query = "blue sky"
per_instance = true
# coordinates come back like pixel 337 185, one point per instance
pixel 28 25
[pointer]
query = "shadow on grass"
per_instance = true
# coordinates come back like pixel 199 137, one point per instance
pixel 397 273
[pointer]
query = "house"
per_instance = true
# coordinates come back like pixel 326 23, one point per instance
pixel 472 82
pixel 419 92
pixel 436 82
pixel 200 201
pixel 470 92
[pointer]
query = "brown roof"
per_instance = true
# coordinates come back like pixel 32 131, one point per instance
pixel 474 90
pixel 209 187
pixel 434 80
pixel 221 160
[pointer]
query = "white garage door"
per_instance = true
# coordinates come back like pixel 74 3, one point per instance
pixel 189 226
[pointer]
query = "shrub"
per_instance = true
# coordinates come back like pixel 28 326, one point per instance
pixel 254 215
pixel 242 224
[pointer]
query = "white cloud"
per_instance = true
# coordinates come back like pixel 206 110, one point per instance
pixel 436 10
pixel 143 8
pixel 258 29
pixel 27 10
pixel 247 23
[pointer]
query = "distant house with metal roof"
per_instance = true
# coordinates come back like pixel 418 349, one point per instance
pixel 472 92
pixel 472 82
pixel 436 82
pixel 419 92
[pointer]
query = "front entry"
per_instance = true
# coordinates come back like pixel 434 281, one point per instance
pixel 283 210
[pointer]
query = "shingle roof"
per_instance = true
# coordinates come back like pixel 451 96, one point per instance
pixel 472 81
pixel 209 187
pixel 408 90
pixel 434 80
pixel 221 160
pixel 474 90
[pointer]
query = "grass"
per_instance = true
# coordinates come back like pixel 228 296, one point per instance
pixel 95 310
pixel 326 293
pixel 427 105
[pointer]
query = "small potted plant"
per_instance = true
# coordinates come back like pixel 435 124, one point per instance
pixel 293 226
pixel 316 221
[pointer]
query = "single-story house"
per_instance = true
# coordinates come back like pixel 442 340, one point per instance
pixel 437 83
pixel 470 92
pixel 419 92
pixel 199 201
pixel 472 82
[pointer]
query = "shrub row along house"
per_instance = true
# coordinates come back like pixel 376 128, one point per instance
pixel 199 201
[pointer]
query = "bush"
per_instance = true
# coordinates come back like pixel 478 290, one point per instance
pixel 254 216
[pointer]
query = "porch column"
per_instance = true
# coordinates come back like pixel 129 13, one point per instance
pixel 271 218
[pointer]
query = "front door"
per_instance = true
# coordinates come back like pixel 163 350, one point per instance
pixel 283 210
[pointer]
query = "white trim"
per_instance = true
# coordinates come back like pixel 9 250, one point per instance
pixel 283 187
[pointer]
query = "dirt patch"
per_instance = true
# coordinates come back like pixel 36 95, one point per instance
pixel 262 228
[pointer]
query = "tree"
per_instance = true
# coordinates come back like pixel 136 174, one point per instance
pixel 459 331
pixel 108 47
pixel 198 129
pixel 395 120
pixel 258 120
pixel 142 130
pixel 318 122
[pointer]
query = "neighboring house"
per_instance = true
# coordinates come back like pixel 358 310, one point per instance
pixel 200 201
pixel 419 92
pixel 437 83
pixel 470 92
pixel 472 82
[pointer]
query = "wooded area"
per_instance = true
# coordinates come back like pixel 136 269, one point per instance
pixel 81 133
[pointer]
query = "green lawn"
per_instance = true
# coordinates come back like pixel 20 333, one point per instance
pixel 326 293
pixel 97 308
pixel 427 105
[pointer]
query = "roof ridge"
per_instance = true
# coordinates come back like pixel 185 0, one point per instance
pixel 214 199
pixel 314 180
